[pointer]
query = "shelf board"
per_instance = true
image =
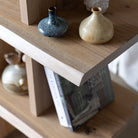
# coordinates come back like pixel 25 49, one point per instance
pixel 70 56
pixel 107 123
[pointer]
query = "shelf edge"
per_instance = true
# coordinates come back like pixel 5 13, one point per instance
pixel 17 123
pixel 50 62
pixel 109 59
pixel 73 75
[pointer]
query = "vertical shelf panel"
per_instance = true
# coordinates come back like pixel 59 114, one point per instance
pixel 30 11
pixel 39 93
pixel 33 10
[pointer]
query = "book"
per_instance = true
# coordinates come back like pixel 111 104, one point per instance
pixel 76 105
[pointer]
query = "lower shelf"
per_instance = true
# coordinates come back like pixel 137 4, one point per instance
pixel 107 123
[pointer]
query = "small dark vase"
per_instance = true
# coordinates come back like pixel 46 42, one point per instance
pixel 53 26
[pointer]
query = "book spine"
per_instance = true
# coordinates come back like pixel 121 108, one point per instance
pixel 62 98
pixel 56 97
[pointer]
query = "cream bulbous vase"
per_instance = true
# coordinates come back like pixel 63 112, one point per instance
pixel 96 28
pixel 14 78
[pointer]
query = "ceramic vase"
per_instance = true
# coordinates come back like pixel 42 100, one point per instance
pixel 53 26
pixel 14 78
pixel 96 28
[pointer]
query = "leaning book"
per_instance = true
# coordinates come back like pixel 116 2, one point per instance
pixel 76 105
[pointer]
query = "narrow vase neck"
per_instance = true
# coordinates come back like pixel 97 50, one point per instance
pixel 96 15
pixel 96 11
pixel 52 16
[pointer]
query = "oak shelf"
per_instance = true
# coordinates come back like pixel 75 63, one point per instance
pixel 75 60
pixel 70 56
pixel 107 123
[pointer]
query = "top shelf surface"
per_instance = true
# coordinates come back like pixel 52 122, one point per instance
pixel 70 56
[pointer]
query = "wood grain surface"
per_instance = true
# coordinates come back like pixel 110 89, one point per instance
pixel 69 56
pixel 39 92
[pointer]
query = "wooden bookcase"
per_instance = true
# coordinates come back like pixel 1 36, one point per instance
pixel 70 57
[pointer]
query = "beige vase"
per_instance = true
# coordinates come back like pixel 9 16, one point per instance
pixel 96 28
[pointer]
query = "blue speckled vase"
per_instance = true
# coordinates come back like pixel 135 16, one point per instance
pixel 53 26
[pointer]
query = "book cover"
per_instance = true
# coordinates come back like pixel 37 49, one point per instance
pixel 79 104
